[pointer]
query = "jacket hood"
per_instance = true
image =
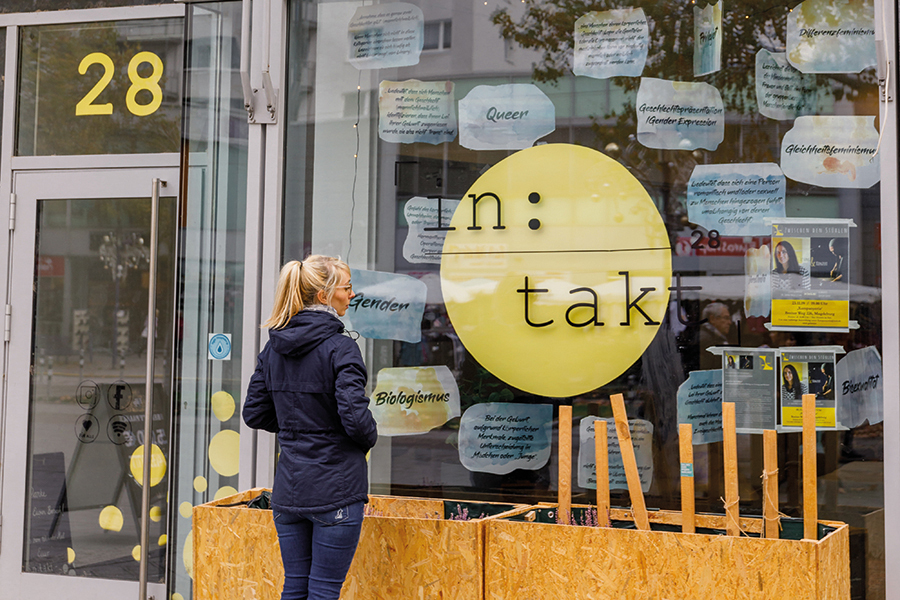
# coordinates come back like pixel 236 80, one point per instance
pixel 304 332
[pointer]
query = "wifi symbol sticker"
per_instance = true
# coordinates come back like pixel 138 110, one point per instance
pixel 118 429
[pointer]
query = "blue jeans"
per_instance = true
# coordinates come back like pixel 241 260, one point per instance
pixel 317 549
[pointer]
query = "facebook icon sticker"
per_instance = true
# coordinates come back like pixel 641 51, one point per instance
pixel 119 395
pixel 219 346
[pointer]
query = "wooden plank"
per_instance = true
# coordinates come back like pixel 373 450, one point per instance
pixel 601 451
pixel 770 484
pixel 534 560
pixel 631 472
pixel 701 520
pixel 686 450
pixel 810 493
pixel 732 499
pixel 395 506
pixel 565 464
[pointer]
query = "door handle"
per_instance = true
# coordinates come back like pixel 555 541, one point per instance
pixel 148 389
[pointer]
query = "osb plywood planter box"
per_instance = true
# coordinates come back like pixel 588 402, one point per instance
pixel 409 548
pixel 236 552
pixel 531 557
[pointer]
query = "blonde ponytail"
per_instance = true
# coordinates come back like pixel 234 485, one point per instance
pixel 299 284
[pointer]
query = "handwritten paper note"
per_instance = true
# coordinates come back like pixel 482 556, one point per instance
pixel 832 152
pixel 499 437
pixel 707 38
pixel 425 240
pixel 642 440
pixel 783 92
pixel 611 43
pixel 412 400
pixel 832 36
pixel 415 111
pixel 677 115
pixel 505 117
pixel 735 199
pixel 387 306
pixel 859 383
pixel 383 36
pixel 700 404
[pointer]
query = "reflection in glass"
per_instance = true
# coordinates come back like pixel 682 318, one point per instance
pixel 347 187
pixel 88 385
pixel 208 392
pixel 100 88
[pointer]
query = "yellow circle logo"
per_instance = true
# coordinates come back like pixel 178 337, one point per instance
pixel 556 270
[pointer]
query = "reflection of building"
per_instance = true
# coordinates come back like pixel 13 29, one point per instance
pixel 241 197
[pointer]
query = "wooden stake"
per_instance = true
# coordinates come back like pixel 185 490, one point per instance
pixel 565 464
pixel 686 446
pixel 770 484
pixel 601 451
pixel 810 493
pixel 631 472
pixel 732 510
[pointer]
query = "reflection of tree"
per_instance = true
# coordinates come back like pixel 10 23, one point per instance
pixel 749 25
pixel 51 87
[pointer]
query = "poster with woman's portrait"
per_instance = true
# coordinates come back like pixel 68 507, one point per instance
pixel 810 274
pixel 807 371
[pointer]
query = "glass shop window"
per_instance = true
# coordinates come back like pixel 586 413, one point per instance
pixel 100 88
pixel 667 200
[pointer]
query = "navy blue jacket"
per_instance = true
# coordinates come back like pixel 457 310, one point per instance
pixel 309 388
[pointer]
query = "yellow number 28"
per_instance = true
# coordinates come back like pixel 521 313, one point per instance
pixel 86 105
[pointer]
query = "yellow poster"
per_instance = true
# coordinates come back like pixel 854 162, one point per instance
pixel 803 371
pixel 810 278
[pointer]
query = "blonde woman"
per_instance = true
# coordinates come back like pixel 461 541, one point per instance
pixel 309 388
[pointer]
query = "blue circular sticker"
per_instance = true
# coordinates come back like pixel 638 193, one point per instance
pixel 219 346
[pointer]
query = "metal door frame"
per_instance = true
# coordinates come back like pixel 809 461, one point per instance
pixel 30 186
pixel 12 168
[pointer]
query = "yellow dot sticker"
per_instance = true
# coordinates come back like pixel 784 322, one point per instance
pixel 136 553
pixel 157 465
pixel 223 405
pixel 185 509
pixel 70 555
pixel 225 490
pixel 556 270
pixel 155 514
pixel 177 596
pixel 224 452
pixel 188 554
pixel 163 540
pixel 200 483
pixel 111 519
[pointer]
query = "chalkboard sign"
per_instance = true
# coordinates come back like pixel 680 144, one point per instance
pixel 48 533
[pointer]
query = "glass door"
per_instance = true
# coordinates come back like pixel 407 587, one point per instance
pixel 77 379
